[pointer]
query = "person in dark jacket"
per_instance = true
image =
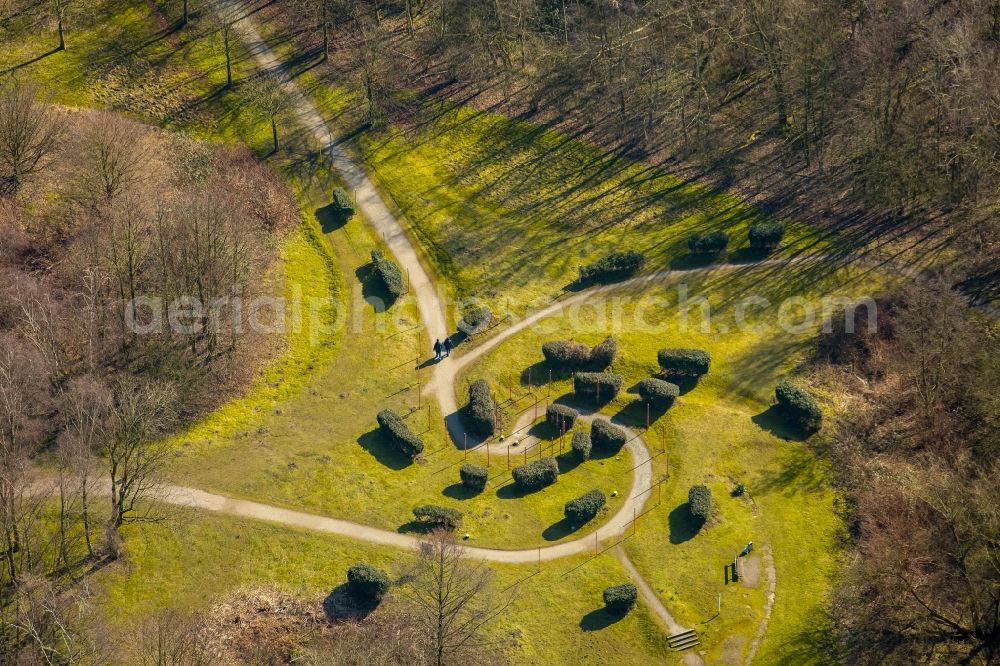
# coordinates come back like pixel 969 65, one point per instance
pixel 437 350
pixel 448 346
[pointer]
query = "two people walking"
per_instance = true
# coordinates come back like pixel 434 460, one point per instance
pixel 444 348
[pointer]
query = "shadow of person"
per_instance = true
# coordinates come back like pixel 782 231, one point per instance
pixel 683 526
pixel 341 605
pixel 374 443
pixel 773 421
pixel 598 619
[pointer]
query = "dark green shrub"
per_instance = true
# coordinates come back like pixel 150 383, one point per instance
pixel 766 235
pixel 581 445
pixel 565 354
pixel 700 502
pixel 474 477
pixel 394 428
pixel 561 417
pixel 614 266
pixel 343 203
pixel 604 353
pixel 438 516
pixel 583 508
pixel 366 582
pixel 684 362
pixel 480 414
pixel 799 406
pixel 621 598
pixel 708 244
pixel 536 475
pixel 475 319
pixel 607 436
pixel 586 383
pixel 658 392
pixel 388 272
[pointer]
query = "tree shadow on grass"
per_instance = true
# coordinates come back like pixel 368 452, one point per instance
pixel 330 218
pixel 416 527
pixel 598 619
pixel 685 383
pixel 748 255
pixel 374 443
pixel 340 605
pixel 539 374
pixel 567 462
pixel 687 262
pixel 372 288
pixel 459 492
pixel 773 421
pixel 559 530
pixel 633 415
pixel 683 526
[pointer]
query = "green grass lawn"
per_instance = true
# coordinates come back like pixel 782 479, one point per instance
pixel 721 432
pixel 192 560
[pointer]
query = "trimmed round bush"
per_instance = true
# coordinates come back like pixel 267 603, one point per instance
pixel 388 274
pixel 536 475
pixel 561 417
pixel 681 362
pixel 438 516
pixel 607 436
pixel 583 508
pixel 565 354
pixel 475 319
pixel 620 598
pixel 581 445
pixel 394 429
pixel 700 502
pixel 474 477
pixel 367 582
pixel 604 353
pixel 766 235
pixel 799 406
pixel 658 391
pixel 481 413
pixel 613 266
pixel 708 244
pixel 586 384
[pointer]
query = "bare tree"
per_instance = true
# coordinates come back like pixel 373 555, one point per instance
pixel 29 130
pixel 134 454
pixel 265 94
pixel 115 153
pixel 453 599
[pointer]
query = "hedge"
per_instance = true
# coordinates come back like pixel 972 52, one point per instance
pixel 614 266
pixel 604 353
pixel 766 235
pixel 581 445
pixel 438 516
pixel 586 383
pixel 474 477
pixel 342 200
pixel 565 354
pixel 561 417
pixel 475 319
pixel 388 272
pixel 607 436
pixel 621 598
pixel 537 474
pixel 799 406
pixel 684 362
pixel 399 435
pixel 480 414
pixel 367 582
pixel 658 392
pixel 700 502
pixel 583 508
pixel 708 244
